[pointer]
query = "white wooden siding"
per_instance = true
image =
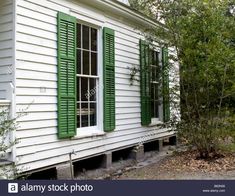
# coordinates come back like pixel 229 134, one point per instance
pixel 6 47
pixel 36 85
pixel 7 62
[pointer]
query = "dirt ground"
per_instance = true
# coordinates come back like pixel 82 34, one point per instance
pixel 179 166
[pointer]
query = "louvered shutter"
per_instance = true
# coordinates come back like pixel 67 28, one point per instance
pixel 145 83
pixel 66 75
pixel 109 79
pixel 166 102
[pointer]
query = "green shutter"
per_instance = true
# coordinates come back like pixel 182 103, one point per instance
pixel 166 102
pixel 66 75
pixel 109 79
pixel 145 83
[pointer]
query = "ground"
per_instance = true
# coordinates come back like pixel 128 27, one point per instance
pixel 181 165
pixel 173 163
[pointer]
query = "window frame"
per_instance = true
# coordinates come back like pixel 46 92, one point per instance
pixel 98 128
pixel 159 120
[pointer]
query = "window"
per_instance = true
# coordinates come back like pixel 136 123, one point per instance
pixel 78 78
pixel 154 83
pixel 150 71
pixel 87 76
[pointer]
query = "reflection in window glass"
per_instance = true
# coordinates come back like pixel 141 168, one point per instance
pixel 92 114
pixel 84 114
pixel 78 61
pixel 78 36
pixel 86 63
pixel 93 89
pixel 93 39
pixel 84 89
pixel 93 63
pixel 85 37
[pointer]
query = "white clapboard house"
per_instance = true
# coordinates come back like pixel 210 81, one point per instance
pixel 67 63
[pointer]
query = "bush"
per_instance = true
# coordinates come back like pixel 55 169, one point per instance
pixel 202 36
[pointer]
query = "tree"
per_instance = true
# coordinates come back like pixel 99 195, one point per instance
pixel 143 6
pixel 202 34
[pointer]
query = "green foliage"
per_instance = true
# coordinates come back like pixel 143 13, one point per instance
pixel 143 6
pixel 202 34
pixel 8 126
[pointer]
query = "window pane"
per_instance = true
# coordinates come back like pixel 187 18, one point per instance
pixel 156 92
pixel 78 115
pixel 153 73
pixel 156 101
pixel 92 92
pixel 84 114
pixel 152 91
pixel 93 114
pixel 152 108
pixel 93 39
pixel 78 89
pixel 84 89
pixel 157 58
pixel 152 100
pixel 86 63
pixel 78 35
pixel 93 63
pixel 158 72
pixel 85 40
pixel 156 110
pixel 152 57
pixel 78 61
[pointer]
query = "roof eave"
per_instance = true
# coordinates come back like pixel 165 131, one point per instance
pixel 125 11
pixel 135 13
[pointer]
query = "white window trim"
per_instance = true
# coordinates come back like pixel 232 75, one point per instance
pixel 98 129
pixel 155 122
